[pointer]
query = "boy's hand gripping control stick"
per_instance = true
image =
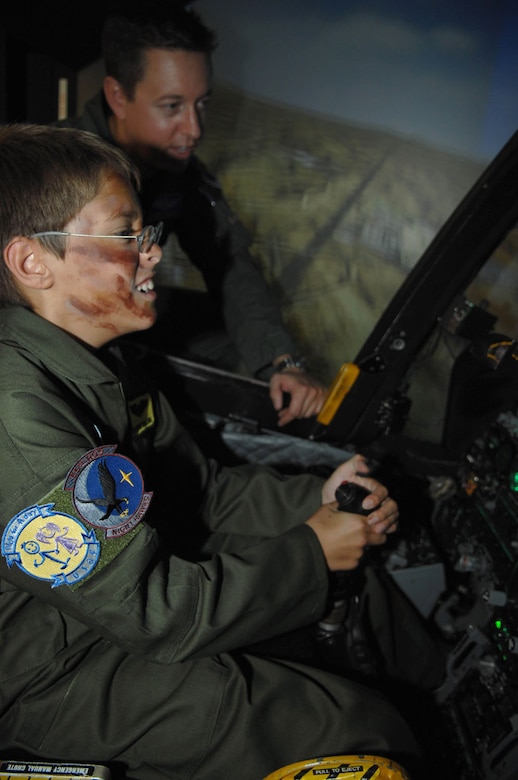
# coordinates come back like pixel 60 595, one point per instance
pixel 345 585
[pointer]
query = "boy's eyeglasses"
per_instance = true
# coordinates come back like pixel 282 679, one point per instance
pixel 150 235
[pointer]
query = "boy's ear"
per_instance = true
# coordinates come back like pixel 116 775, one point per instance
pixel 27 262
pixel 115 96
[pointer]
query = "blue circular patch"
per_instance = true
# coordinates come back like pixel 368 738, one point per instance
pixel 108 492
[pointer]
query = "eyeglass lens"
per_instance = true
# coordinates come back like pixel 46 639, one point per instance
pixel 149 236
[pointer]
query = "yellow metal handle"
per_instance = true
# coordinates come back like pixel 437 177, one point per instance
pixel 340 386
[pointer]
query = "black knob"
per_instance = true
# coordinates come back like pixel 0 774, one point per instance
pixel 350 496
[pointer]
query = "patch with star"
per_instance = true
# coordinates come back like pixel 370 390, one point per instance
pixel 81 525
pixel 108 491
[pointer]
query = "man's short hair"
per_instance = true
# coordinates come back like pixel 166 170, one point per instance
pixel 47 175
pixel 130 32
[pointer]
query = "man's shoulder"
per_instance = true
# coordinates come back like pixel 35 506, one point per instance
pixel 93 119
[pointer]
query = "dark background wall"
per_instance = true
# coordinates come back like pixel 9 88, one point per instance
pixel 41 43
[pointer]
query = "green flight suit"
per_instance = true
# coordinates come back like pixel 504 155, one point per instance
pixel 138 661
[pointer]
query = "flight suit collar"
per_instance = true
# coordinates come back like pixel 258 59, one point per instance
pixel 58 351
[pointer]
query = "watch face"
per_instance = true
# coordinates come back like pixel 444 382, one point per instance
pixel 291 362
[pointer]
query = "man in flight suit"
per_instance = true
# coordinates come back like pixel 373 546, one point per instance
pixel 153 106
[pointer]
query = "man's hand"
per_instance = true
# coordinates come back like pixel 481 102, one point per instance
pixel 306 395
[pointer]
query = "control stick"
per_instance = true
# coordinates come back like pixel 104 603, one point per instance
pixel 340 634
pixel 345 584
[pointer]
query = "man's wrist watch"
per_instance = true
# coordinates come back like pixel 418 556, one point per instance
pixel 290 362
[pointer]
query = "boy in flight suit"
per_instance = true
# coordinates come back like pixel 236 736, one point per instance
pixel 134 573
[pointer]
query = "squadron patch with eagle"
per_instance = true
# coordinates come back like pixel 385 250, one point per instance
pixel 82 524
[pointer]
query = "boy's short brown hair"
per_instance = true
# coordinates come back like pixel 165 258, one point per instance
pixel 47 175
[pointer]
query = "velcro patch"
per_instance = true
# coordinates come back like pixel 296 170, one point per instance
pixel 81 525
pixel 142 413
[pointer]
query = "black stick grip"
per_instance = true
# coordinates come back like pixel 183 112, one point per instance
pixel 345 584
pixel 350 496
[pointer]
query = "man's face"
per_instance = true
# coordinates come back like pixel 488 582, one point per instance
pixel 164 121
pixel 103 287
